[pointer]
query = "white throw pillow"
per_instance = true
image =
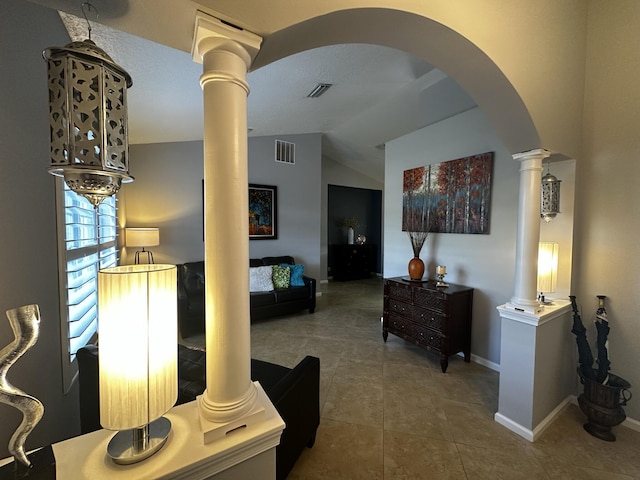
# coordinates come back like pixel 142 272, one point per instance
pixel 260 279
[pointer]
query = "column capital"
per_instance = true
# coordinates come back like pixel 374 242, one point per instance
pixel 535 154
pixel 212 33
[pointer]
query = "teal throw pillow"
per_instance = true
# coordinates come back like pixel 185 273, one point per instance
pixel 297 271
pixel 281 276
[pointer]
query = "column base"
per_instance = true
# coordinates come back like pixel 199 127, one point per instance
pixel 213 431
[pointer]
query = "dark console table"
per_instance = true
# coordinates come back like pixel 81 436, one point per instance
pixel 353 262
pixel 435 318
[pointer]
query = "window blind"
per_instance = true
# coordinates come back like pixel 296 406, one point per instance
pixel 88 243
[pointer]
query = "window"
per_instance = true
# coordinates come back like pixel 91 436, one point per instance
pixel 87 242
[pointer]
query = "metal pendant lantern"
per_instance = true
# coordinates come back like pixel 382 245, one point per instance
pixel 88 119
pixel 550 197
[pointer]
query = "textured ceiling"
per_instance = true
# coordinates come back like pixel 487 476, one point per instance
pixel 378 94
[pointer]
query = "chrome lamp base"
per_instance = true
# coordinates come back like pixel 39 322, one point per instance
pixel 132 446
pixel 142 252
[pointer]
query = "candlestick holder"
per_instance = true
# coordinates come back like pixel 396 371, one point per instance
pixel 441 271
pixel 440 282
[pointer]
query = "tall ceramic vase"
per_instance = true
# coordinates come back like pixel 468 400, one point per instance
pixel 350 236
pixel 416 268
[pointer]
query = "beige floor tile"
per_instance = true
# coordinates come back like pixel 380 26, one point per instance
pixel 494 464
pixel 411 411
pixel 473 425
pixel 412 458
pixel 343 451
pixel 559 469
pixel 359 403
pixel 567 440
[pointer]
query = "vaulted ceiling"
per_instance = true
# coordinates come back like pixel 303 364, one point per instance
pixel 377 93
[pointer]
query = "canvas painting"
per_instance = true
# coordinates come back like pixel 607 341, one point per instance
pixel 263 204
pixel 448 197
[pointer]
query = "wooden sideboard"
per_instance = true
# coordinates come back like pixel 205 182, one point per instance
pixel 435 318
pixel 353 262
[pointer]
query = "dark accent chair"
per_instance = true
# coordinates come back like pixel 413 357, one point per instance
pixel 295 393
pixel 262 304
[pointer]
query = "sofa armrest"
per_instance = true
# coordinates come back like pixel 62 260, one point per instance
pixel 89 388
pixel 311 284
pixel 297 398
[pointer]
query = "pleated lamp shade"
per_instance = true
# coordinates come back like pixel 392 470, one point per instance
pixel 547 267
pixel 137 333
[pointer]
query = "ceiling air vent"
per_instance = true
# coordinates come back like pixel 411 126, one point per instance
pixel 319 89
pixel 285 152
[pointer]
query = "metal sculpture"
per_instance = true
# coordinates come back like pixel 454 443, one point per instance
pixel 25 323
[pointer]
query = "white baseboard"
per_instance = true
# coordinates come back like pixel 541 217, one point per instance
pixel 632 424
pixel 527 433
pixel 482 361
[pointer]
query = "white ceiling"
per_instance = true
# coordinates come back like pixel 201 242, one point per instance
pixel 378 94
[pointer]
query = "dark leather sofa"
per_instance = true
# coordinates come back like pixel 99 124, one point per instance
pixel 295 393
pixel 263 304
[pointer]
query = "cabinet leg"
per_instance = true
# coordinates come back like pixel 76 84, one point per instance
pixel 444 363
pixel 385 334
pixel 467 356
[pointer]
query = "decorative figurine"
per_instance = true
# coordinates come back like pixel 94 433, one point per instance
pixel 25 323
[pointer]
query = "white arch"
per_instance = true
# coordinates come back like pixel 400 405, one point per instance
pixel 437 44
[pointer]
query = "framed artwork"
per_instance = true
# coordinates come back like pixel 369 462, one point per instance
pixel 448 197
pixel 263 212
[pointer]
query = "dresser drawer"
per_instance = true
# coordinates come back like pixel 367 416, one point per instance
pixel 429 299
pixel 411 331
pixel 428 318
pixel 401 308
pixel 398 291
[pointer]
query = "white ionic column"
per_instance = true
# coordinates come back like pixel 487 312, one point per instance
pixel 229 401
pixel 528 233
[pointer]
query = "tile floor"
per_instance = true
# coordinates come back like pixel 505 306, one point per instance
pixel 388 412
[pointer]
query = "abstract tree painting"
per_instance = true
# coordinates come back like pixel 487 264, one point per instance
pixel 448 197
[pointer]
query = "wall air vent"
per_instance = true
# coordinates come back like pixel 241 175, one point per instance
pixel 319 90
pixel 285 152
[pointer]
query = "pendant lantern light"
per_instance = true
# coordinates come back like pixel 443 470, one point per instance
pixel 550 196
pixel 88 119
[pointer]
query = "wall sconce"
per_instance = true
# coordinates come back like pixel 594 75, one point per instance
pixel 142 237
pixel 88 119
pixel 547 270
pixel 137 331
pixel 550 196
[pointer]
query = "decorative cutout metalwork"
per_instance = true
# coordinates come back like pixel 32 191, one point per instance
pixel 88 119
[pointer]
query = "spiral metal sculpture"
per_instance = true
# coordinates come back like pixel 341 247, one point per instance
pixel 25 323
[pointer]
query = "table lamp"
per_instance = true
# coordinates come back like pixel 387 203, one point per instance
pixel 142 237
pixel 547 270
pixel 137 333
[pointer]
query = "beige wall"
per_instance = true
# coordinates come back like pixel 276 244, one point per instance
pixel 521 60
pixel 607 257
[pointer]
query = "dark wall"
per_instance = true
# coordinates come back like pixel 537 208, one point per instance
pixel 363 204
pixel 28 239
